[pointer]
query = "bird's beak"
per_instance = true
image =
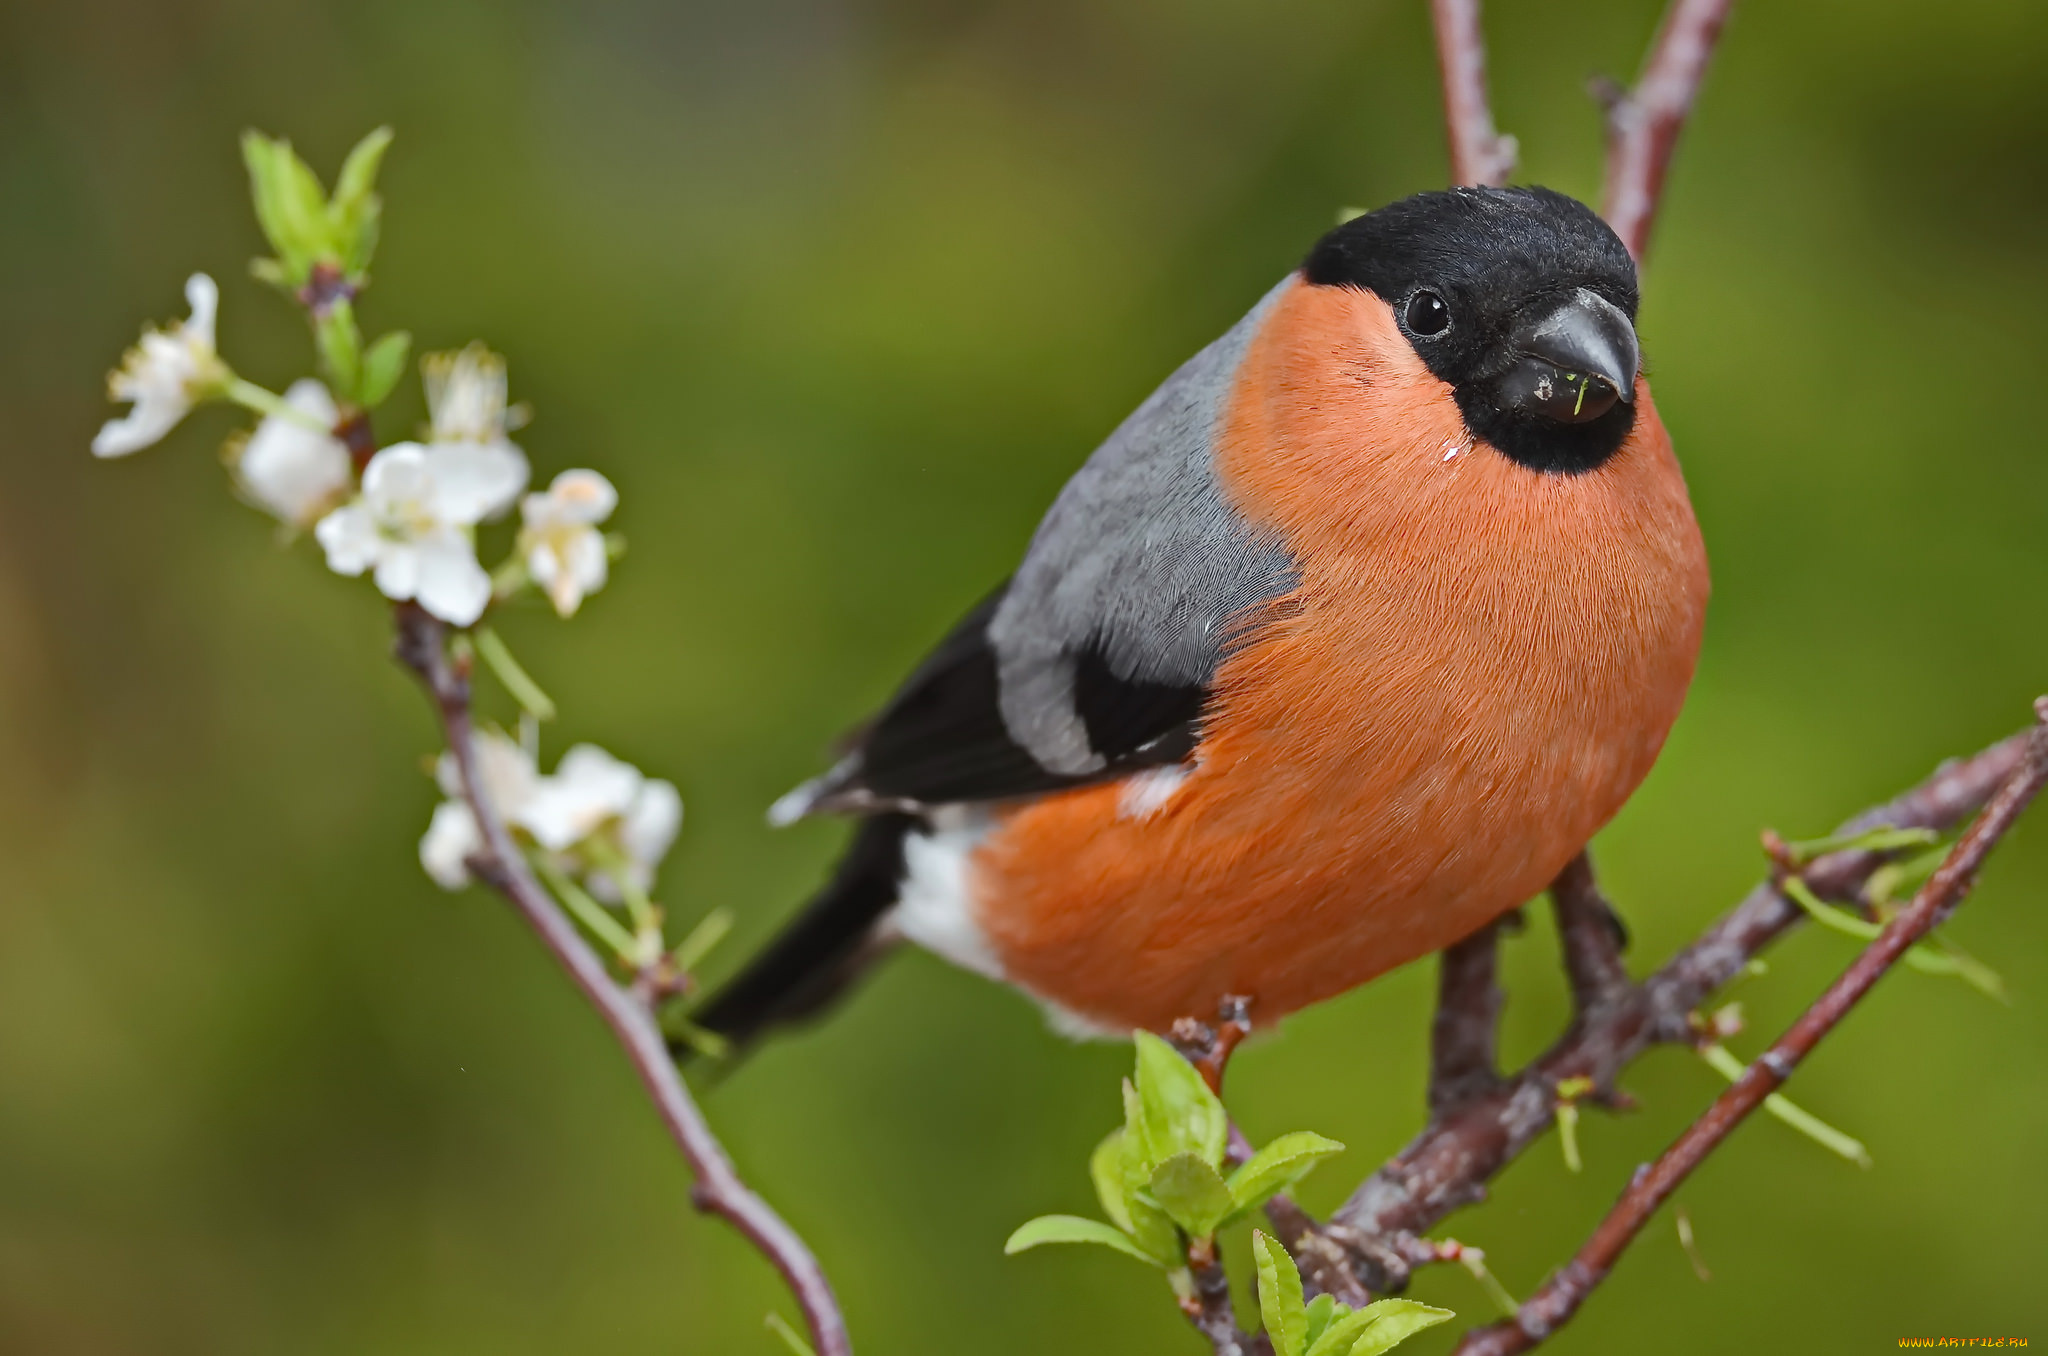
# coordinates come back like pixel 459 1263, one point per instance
pixel 1576 360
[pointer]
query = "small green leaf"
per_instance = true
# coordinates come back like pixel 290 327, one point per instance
pixel 1881 839
pixel 709 932
pixel 1828 915
pixel 1723 1062
pixel 383 365
pixel 1073 1229
pixel 1568 1135
pixel 1340 1332
pixel 268 187
pixel 1280 1297
pixel 1150 1227
pixel 1926 957
pixel 1394 1321
pixel 1277 1167
pixel 702 1039
pixel 1181 1114
pixel 1192 1194
pixel 791 1338
pixel 334 328
pixel 358 177
pixel 1899 879
pixel 1106 1170
pixel 1323 1310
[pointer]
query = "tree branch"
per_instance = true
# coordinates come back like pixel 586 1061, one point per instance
pixel 1449 1163
pixel 1211 1311
pixel 1479 153
pixel 421 645
pixel 1561 1295
pixel 1462 1038
pixel 1643 124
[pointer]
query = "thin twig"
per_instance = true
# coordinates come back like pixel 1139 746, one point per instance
pixel 1479 153
pixel 1643 124
pixel 1561 1295
pixel 1448 1164
pixel 1463 1036
pixel 421 645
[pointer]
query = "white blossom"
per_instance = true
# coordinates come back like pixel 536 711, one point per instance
pixel 466 409
pixel 593 800
pixel 558 536
pixel 164 376
pixel 593 813
pixel 411 525
pixel 508 779
pixel 289 468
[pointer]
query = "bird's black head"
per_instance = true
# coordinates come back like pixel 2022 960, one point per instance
pixel 1521 298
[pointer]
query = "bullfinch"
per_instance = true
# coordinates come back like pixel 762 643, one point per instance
pixel 1340 647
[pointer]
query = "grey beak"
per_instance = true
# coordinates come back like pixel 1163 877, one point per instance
pixel 1589 334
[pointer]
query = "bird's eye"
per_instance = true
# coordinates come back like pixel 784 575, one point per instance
pixel 1427 314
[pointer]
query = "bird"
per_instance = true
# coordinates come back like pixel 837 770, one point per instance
pixel 1335 651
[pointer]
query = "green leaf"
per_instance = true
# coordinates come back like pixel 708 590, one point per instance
pixel 1192 1193
pixel 1339 1333
pixel 354 213
pixel 305 202
pixel 1106 1170
pixel 358 177
pixel 1323 1310
pixel 341 348
pixel 1149 1225
pixel 702 1039
pixel 1277 1167
pixel 1881 839
pixel 383 365
pixel 1899 879
pixel 709 932
pixel 791 1338
pixel 1926 957
pixel 1138 1153
pixel 1723 1062
pixel 1568 1135
pixel 1073 1229
pixel 267 188
pixel 1280 1297
pixel 1391 1322
pixel 1181 1115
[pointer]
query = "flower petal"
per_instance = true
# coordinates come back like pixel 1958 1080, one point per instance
pixel 450 839
pixel 396 476
pixel 291 471
pixel 448 581
pixel 349 536
pixel 141 427
pixel 398 571
pixel 584 496
pixel 652 824
pixel 475 481
pixel 203 296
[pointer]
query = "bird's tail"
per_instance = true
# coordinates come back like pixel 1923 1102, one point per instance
pixel 824 950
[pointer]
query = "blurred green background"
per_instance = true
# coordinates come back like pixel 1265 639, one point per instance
pixel 839 292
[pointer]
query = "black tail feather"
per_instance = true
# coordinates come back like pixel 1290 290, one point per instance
pixel 828 946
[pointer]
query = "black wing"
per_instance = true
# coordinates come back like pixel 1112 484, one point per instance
pixel 942 738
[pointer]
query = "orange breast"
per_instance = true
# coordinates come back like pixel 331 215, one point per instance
pixel 1479 667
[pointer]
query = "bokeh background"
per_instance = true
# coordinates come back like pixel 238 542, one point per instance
pixel 839 291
